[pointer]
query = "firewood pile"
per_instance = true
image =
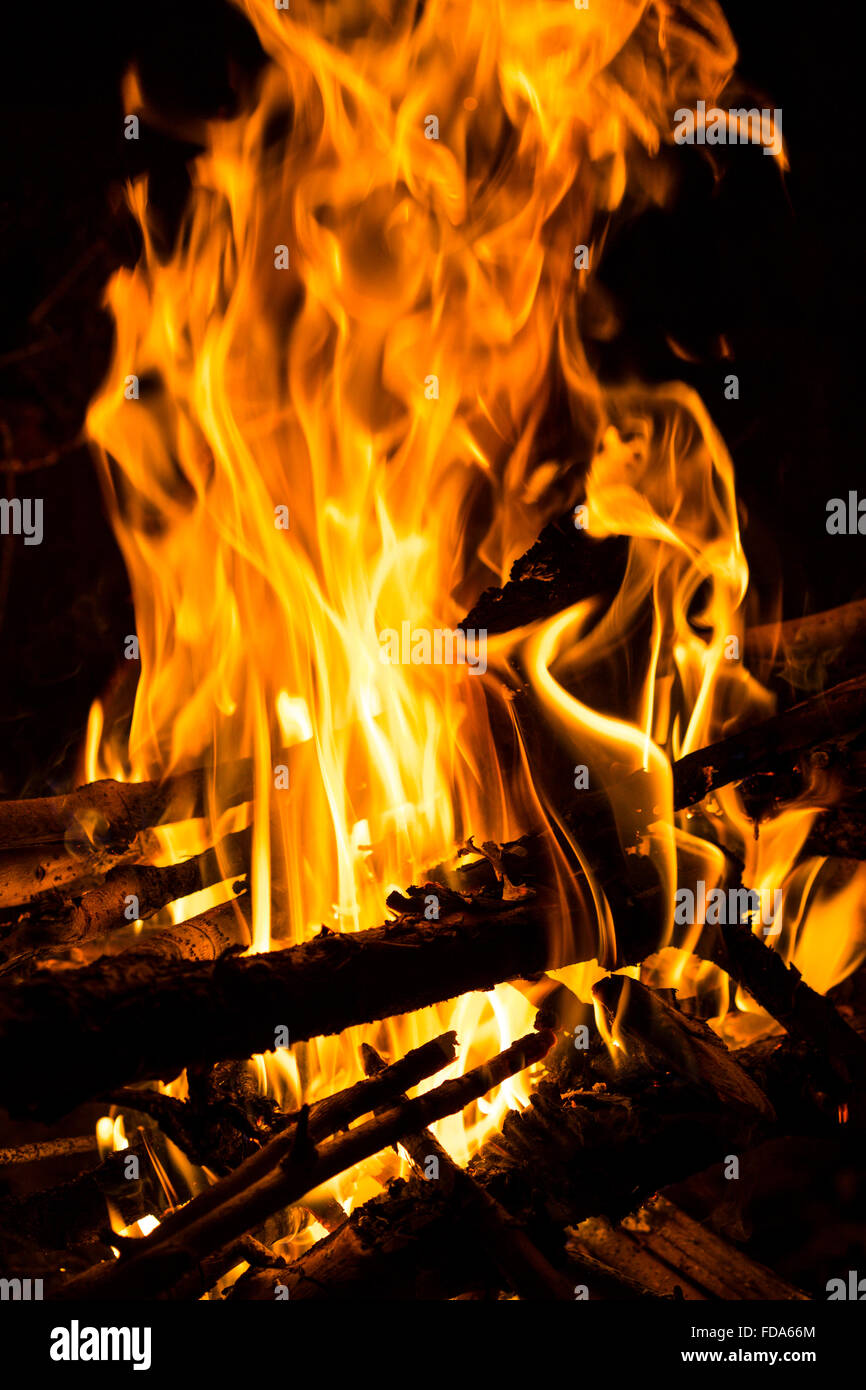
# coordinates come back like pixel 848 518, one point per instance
pixel 606 1186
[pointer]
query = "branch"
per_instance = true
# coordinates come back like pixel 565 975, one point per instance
pixel 836 714
pixel 138 1017
pixel 162 1267
pixel 524 1268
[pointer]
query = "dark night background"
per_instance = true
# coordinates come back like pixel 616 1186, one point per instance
pixel 773 267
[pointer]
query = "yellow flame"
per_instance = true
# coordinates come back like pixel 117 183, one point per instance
pixel 321 424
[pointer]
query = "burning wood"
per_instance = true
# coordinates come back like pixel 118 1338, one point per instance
pixel 291 1165
pixel 346 391
pixel 524 1268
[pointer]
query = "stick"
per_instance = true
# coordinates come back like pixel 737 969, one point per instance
pixel 49 1148
pixel 526 1270
pixel 835 714
pixel 158 1267
pixel 326 1117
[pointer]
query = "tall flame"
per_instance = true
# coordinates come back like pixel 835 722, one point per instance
pixel 324 420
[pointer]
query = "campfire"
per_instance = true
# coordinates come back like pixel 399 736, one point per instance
pixel 470 904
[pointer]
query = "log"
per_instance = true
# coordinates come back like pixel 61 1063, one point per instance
pixel 50 873
pixel 663 1251
pixel 804 648
pixel 807 1016
pixel 207 936
pixel 103 909
pixel 109 814
pixel 68 1036
pixel 524 1268
pixel 104 812
pixel 159 1267
pixel 685 1045
pixel 836 714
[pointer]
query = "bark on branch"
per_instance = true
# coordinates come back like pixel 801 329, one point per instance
pixel 161 1267
pixel 140 1017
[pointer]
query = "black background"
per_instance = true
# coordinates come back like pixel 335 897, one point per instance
pixel 773 266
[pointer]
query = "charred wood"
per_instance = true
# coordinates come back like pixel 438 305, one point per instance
pixel 836 714
pixel 685 1045
pixel 524 1268
pixel 170 1262
pixel 669 1255
pixel 140 1017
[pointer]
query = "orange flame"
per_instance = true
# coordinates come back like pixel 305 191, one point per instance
pixel 322 423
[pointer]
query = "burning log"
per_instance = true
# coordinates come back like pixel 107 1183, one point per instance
pixel 687 1046
pixel 207 936
pixel 146 888
pixel 109 815
pixel 779 988
pixel 106 811
pixel 570 1154
pixel 291 1165
pixel 231 1008
pixel 524 1268
pixel 51 873
pixel 836 714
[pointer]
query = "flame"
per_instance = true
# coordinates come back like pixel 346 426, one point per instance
pixel 322 422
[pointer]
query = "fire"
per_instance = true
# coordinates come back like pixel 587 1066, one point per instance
pixel 323 422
